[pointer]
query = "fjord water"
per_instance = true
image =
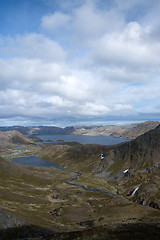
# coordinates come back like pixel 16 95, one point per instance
pixel 84 139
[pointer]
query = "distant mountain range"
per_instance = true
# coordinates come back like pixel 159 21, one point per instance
pixel 41 130
pixel 128 131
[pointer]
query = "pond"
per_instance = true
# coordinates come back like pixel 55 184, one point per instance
pixel 35 162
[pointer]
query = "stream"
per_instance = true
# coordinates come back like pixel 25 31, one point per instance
pixel 38 162
pixel 85 188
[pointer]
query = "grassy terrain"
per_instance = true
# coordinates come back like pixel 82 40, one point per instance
pixel 40 196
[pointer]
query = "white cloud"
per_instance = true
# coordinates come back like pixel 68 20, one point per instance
pixel 55 21
pixel 126 48
pixel 35 46
pixel 119 107
pixel 94 109
pixel 89 22
pixel 35 87
pixel 129 4
pixel 110 65
pixel 83 24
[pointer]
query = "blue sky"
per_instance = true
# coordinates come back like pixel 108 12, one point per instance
pixel 74 62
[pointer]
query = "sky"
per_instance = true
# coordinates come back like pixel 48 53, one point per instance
pixel 79 62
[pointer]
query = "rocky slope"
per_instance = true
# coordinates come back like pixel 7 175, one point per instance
pixel 135 166
pixel 13 137
pixel 128 131
pixel 136 130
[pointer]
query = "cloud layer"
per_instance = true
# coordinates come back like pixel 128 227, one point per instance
pixel 94 60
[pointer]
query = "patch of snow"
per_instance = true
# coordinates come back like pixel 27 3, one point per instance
pixel 125 171
pixel 135 191
pixel 102 156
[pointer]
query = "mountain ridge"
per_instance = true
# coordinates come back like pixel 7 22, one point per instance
pixel 127 131
pixel 135 165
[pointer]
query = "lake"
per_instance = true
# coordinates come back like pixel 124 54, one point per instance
pixel 84 139
pixel 35 162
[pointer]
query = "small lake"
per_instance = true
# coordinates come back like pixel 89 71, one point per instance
pixel 35 162
pixel 84 139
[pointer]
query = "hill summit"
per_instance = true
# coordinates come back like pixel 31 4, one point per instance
pixel 13 137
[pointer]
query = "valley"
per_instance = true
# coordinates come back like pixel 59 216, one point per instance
pixel 49 203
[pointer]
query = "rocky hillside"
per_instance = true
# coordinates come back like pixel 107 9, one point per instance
pixel 138 155
pixel 13 137
pixel 135 166
pixel 128 131
pixel 136 130
pixel 129 166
